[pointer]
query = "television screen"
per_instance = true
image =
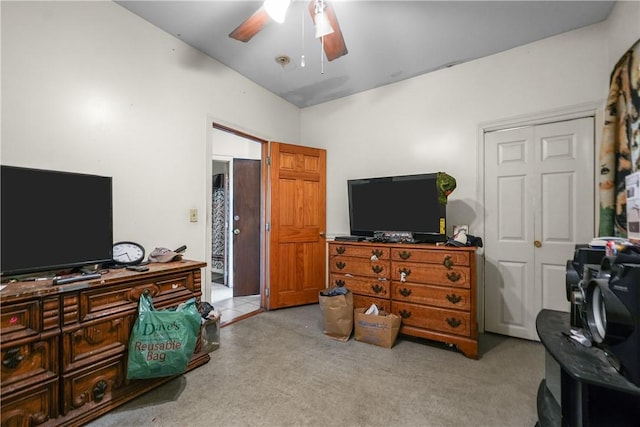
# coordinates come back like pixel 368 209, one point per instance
pixel 396 204
pixel 53 220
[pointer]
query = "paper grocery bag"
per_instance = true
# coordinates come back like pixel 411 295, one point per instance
pixel 379 329
pixel 337 313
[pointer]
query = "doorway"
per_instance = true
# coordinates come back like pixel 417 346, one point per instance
pixel 235 206
pixel 292 218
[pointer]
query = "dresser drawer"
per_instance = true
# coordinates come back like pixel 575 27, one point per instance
pixel 436 319
pixel 436 274
pixel 369 252
pixel 438 296
pixel 24 363
pixel 95 341
pixel 362 301
pixel 32 406
pixel 448 259
pixel 26 319
pixel 20 320
pixel 359 267
pixel 95 303
pixel 363 285
pixel 94 386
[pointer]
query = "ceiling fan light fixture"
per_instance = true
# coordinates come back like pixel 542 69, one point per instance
pixel 323 26
pixel 277 9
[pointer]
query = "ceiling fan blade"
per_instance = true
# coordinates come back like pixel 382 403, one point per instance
pixel 334 46
pixel 251 26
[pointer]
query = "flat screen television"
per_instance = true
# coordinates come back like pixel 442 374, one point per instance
pixel 53 220
pixel 397 204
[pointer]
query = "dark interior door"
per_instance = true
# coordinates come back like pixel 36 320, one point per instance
pixel 246 227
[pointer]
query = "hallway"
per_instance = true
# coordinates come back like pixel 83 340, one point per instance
pixel 231 308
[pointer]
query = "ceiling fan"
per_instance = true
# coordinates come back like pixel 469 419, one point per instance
pixel 322 14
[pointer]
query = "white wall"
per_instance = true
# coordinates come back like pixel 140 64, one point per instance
pixel 431 123
pixel 230 145
pixel 622 29
pixel 90 87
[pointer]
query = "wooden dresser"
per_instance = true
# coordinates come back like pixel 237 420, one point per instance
pixel 433 288
pixel 64 347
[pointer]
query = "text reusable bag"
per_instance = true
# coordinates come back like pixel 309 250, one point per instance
pixel 162 341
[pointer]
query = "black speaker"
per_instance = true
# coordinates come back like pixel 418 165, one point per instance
pixel 613 317
pixel 579 271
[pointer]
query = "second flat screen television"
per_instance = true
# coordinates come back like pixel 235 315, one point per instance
pixel 406 203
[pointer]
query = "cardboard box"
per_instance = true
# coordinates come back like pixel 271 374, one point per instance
pixel 381 330
pixel 632 184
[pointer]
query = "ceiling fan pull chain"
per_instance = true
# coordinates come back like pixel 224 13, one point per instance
pixel 322 57
pixel 302 62
pixel 321 42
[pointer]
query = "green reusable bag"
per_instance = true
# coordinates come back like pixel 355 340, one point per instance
pixel 162 341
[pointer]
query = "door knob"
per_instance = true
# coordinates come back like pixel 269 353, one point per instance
pixel 236 231
pixel 537 243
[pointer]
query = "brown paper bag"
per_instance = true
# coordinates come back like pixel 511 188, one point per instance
pixel 337 313
pixel 376 329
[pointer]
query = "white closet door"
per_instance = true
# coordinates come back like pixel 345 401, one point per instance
pixel 539 200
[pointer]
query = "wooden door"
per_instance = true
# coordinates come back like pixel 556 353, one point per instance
pixel 245 220
pixel 297 225
pixel 539 201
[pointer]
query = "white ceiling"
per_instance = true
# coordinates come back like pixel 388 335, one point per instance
pixel 388 41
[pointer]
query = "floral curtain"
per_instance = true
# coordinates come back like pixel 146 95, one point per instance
pixel 619 152
pixel 219 215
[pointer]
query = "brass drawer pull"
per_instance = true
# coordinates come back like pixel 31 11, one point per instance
pixel 448 262
pixel 13 358
pixel 453 298
pixel 405 271
pixel 339 283
pixel 377 288
pixel 453 322
pixel 151 290
pixel 340 265
pixel 377 268
pixel 340 250
pixel 453 276
pixel 404 255
pixel 405 314
pixel 405 292
pixel 99 390
pixel 376 253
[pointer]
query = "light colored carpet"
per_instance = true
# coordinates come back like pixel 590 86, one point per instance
pixel 278 369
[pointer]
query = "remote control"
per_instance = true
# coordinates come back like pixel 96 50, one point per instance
pixel 63 280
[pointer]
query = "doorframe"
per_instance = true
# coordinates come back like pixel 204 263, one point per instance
pixel 590 109
pixel 213 123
